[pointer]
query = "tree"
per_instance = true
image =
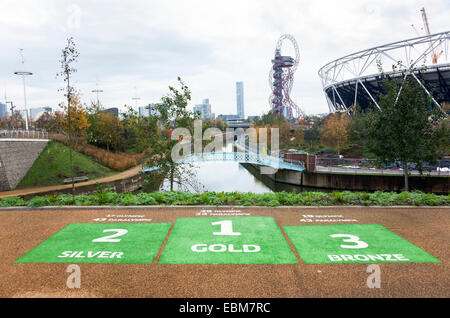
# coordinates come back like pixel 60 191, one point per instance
pixel 69 55
pixel 105 130
pixel 15 121
pixel 312 135
pixel 77 129
pixel 407 128
pixel 171 113
pixel 137 129
pixel 335 132
pixel 357 137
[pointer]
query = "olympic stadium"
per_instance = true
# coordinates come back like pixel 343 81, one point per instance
pixel 356 79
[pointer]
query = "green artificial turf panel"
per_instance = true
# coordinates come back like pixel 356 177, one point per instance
pixel 255 232
pixel 139 245
pixel 377 245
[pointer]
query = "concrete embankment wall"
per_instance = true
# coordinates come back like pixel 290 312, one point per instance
pixel 16 158
pixel 360 182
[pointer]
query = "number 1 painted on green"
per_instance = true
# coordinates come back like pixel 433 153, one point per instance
pixel 226 228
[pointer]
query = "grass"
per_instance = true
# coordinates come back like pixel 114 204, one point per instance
pixel 115 160
pixel 51 167
pixel 344 198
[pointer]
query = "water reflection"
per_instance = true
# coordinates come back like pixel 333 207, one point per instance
pixel 231 176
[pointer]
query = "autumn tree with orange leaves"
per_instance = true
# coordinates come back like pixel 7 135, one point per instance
pixel 335 133
pixel 78 120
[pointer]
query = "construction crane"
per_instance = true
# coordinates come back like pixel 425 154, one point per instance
pixel 434 55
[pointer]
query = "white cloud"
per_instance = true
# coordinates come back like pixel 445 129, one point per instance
pixel 210 44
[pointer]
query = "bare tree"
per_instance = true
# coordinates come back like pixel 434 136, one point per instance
pixel 69 56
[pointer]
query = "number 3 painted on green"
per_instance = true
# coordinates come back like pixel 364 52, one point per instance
pixel 351 239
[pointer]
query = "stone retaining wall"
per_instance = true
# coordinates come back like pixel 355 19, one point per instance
pixel 16 158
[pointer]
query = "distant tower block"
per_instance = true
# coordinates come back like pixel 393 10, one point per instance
pixel 240 99
pixel 281 78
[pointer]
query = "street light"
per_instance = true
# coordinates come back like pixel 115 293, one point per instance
pixel 97 91
pixel 136 98
pixel 24 73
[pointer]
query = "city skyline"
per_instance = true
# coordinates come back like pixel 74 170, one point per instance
pixel 148 51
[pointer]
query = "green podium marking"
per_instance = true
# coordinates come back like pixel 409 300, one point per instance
pixel 354 243
pixel 126 243
pixel 227 240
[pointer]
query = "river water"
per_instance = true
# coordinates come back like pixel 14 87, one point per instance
pixel 231 176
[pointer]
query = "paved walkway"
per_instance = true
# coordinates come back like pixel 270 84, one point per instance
pixel 353 170
pixel 118 176
pixel 24 229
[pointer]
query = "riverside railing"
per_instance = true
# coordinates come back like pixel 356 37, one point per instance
pixel 26 134
pixel 247 149
pixel 369 166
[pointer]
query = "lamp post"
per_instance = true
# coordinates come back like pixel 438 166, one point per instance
pixel 136 98
pixel 97 91
pixel 24 73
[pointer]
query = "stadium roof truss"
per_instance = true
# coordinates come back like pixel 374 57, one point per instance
pixel 356 78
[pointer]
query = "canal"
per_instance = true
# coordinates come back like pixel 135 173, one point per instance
pixel 231 176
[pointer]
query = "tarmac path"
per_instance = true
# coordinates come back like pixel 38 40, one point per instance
pixel 37 190
pixel 21 230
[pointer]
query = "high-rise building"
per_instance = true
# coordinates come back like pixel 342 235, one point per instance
pixel 225 117
pixel 204 109
pixel 146 111
pixel 36 112
pixel 2 110
pixel 113 110
pixel 240 99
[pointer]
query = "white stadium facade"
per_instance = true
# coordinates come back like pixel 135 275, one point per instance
pixel 356 79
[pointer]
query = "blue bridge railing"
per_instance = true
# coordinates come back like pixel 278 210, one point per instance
pixel 241 157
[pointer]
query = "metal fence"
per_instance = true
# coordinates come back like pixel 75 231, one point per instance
pixel 28 134
pixel 247 149
pixel 354 165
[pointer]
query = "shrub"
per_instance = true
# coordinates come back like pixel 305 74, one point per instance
pixel 114 160
pixel 12 201
pixel 86 200
pixel 128 199
pixel 66 199
pixel 38 201
pixel 145 199
pixel 107 197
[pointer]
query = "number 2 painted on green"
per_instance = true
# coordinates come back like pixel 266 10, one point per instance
pixel 110 238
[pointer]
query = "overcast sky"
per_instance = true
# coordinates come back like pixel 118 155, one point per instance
pixel 210 44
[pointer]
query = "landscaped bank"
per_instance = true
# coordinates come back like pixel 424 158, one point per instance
pixel 108 198
pixel 52 167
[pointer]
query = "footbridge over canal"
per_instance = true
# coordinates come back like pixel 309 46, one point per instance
pixel 241 157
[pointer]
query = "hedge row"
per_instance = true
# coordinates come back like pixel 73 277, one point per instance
pixel 109 198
